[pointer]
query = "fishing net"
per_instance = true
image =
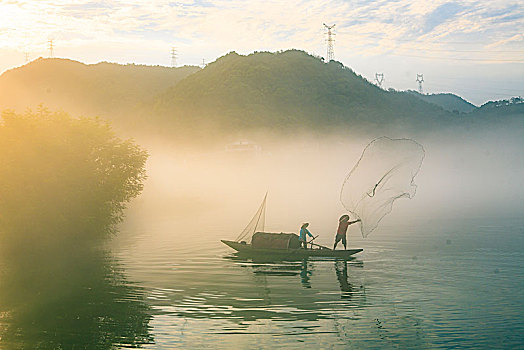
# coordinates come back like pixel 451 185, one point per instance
pixel 384 173
pixel 256 224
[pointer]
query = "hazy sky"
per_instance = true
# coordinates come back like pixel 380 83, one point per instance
pixel 471 48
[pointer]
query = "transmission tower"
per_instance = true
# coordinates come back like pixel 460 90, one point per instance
pixel 203 63
pixel 379 77
pixel 330 41
pixel 173 57
pixel 420 80
pixel 26 55
pixel 51 46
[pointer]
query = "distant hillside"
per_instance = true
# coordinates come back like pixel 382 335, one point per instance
pixel 449 102
pixel 284 92
pixel 293 90
pixel 99 89
pixel 502 111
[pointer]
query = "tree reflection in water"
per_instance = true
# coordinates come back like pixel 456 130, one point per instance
pixel 75 299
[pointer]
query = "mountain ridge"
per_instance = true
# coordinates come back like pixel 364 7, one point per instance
pixel 448 101
pixel 289 88
pixel 278 92
pixel 101 89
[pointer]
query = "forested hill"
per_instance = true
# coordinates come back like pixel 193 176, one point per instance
pixel 291 89
pixel 449 102
pixel 279 92
pixel 105 89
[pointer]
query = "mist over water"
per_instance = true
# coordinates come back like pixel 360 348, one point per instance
pixel 441 271
pixel 461 176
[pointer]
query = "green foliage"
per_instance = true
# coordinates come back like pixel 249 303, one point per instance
pixel 64 177
pixel 287 91
pixel 509 113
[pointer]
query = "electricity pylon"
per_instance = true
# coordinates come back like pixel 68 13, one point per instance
pixel 420 80
pixel 173 57
pixel 379 77
pixel 330 41
pixel 51 47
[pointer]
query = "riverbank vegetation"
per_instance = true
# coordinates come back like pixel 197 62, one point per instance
pixel 63 178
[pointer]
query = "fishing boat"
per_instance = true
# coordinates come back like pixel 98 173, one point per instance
pixel 253 241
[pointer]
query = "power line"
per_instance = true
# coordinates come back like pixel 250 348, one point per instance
pixel 414 40
pixel 465 51
pixel 330 41
pixel 478 91
pixel 394 52
pixel 491 84
pixel 479 79
pixel 457 51
pixel 456 58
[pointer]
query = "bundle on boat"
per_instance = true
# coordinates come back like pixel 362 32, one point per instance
pixel 267 240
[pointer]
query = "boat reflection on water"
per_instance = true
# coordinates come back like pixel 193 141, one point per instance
pixel 305 274
pixel 71 300
pixel 276 277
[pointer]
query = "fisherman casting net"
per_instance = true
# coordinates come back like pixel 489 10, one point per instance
pixel 384 173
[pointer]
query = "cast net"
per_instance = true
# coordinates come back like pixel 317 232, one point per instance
pixel 384 173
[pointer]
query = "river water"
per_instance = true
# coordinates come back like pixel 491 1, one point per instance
pixel 453 284
pixel 423 281
pixel 456 284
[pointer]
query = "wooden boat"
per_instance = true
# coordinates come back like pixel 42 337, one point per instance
pixel 253 241
pixel 324 252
